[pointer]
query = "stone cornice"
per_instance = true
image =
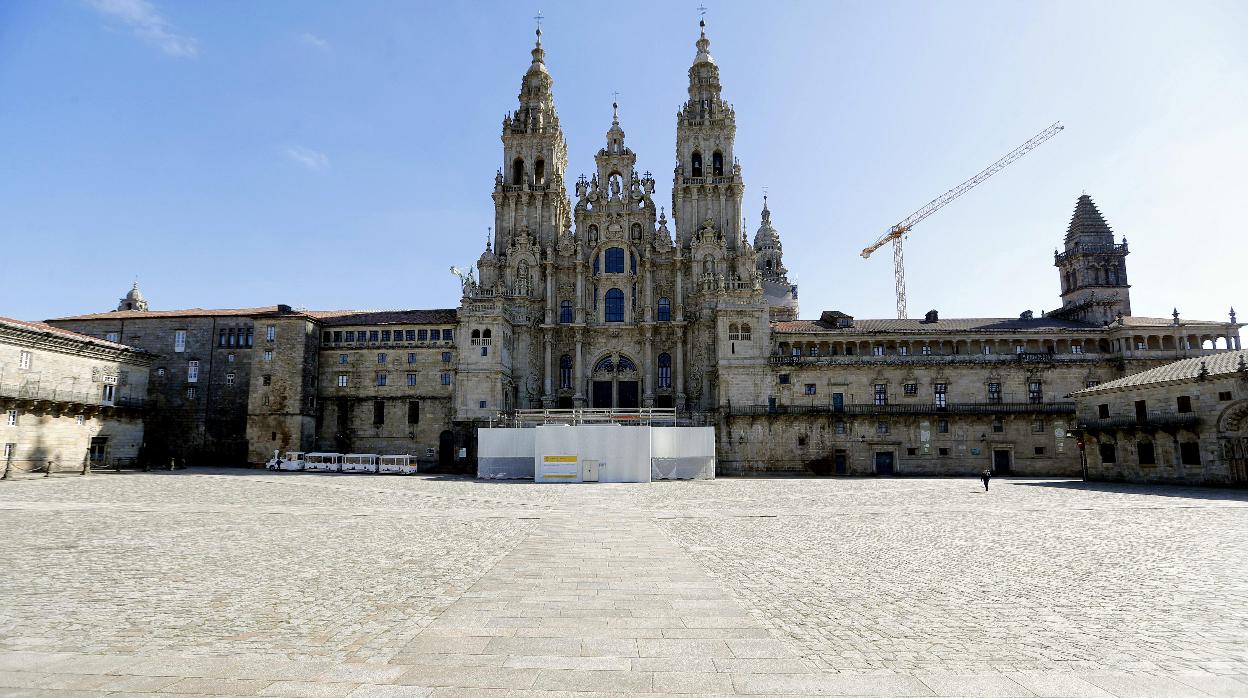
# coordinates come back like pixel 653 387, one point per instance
pixel 73 346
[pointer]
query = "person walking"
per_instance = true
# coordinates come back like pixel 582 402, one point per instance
pixel 985 476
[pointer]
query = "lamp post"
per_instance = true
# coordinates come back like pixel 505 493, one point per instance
pixel 1077 434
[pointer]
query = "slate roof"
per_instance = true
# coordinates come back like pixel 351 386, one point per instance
pixel 913 326
pixel 189 312
pixel 1181 371
pixel 326 317
pixel 49 329
pixel 1087 224
pixel 440 316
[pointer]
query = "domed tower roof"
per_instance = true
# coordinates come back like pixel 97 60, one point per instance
pixel 133 300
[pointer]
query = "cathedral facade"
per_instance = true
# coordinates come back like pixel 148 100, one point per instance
pixel 601 297
pixel 605 302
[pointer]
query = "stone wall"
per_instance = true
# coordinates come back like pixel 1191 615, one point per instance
pixel 58 392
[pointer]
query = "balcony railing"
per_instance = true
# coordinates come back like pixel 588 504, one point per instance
pixel 932 359
pixel 1156 422
pixel 987 408
pixel 36 393
pixel 1090 249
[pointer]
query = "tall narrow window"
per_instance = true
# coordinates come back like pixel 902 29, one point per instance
pixel 881 393
pixel 270 332
pixel 539 172
pixel 221 337
pixel 250 332
pixel 939 392
pixel 379 412
pixel 665 370
pixel 179 340
pixel 614 311
pixel 517 171
pixel 232 337
pixel 565 312
pixel 192 372
pixel 994 392
pixel 413 412
pixel 411 379
pixel 717 164
pixel 665 310
pixel 696 161
pixel 565 372
pixel 1034 393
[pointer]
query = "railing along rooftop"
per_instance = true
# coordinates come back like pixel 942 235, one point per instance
pixel 640 416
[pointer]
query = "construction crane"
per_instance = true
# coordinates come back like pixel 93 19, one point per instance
pixel 898 232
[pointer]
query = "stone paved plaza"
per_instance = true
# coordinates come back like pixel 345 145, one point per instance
pixel 225 582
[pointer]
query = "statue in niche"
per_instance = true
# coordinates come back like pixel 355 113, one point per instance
pixel 615 187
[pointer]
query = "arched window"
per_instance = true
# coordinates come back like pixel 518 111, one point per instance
pixel 717 164
pixel 614 311
pixel 517 171
pixel 734 332
pixel 539 172
pixel 697 164
pixel 665 310
pixel 745 331
pixel 476 338
pixel 604 365
pixel 625 364
pixel 615 260
pixel 485 336
pixel 768 264
pixel 565 371
pixel 665 371
pixel 565 312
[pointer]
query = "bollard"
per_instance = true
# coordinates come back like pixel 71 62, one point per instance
pixel 49 471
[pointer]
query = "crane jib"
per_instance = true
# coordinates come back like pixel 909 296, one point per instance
pixel 896 233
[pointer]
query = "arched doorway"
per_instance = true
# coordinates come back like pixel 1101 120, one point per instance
pixel 1233 442
pixel 614 383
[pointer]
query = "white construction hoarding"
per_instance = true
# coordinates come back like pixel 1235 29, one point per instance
pixel 596 453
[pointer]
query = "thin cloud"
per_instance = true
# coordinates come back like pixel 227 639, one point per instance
pixel 314 41
pixel 149 25
pixel 313 160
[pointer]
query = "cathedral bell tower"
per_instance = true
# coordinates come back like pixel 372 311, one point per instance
pixel 707 184
pixel 529 192
pixel 1093 269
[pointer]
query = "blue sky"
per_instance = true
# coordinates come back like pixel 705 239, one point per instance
pixel 341 155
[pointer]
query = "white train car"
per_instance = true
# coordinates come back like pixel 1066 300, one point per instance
pixel 293 460
pixel 400 464
pixel 359 463
pixel 323 462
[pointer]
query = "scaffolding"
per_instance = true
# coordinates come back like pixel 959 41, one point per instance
pixel 640 416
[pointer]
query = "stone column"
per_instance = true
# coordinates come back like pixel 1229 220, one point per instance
pixel 548 399
pixel 647 293
pixel 680 369
pixel 579 398
pixel 680 287
pixel 647 367
pixel 580 289
pixel 551 302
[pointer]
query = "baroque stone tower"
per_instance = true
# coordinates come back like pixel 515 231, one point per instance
pixel 529 191
pixel 133 300
pixel 707 184
pixel 1093 268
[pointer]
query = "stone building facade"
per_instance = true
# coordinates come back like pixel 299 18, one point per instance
pixel 67 398
pixel 1184 422
pixel 594 297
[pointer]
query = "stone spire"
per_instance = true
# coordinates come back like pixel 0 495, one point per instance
pixel 770 251
pixel 704 46
pixel 133 300
pixel 1087 225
